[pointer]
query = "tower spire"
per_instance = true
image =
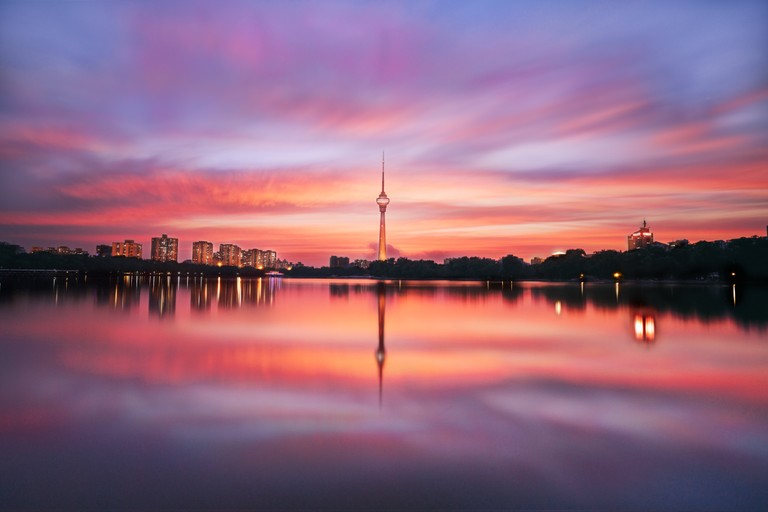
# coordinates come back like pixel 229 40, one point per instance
pixel 382 172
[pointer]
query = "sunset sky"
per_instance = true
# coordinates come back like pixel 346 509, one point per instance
pixel 509 127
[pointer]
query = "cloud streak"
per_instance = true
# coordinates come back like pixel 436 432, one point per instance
pixel 507 126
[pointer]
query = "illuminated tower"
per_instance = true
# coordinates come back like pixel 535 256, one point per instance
pixel 382 201
pixel 641 238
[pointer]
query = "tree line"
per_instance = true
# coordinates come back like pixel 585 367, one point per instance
pixel 742 259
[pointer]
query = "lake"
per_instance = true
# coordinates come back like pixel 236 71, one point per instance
pixel 179 392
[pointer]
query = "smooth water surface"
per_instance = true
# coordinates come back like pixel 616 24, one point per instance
pixel 171 392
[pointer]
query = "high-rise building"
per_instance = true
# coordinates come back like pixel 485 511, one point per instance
pixel 252 258
pixel 129 249
pixel 230 255
pixel 202 253
pixel 640 238
pixel 260 259
pixel 382 201
pixel 165 249
pixel 270 259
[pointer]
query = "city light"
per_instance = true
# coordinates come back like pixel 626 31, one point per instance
pixel 645 327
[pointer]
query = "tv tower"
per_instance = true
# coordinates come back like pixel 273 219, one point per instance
pixel 382 201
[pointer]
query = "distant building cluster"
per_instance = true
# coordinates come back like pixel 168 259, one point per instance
pixel 234 256
pixel 62 249
pixel 344 262
pixel 166 249
pixel 339 262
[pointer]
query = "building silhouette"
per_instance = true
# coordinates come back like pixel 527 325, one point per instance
pixel 165 249
pixel 202 253
pixel 103 250
pixel 640 238
pixel 339 262
pixel 382 201
pixel 129 249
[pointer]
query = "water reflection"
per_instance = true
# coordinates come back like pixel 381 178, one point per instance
pixel 645 327
pixel 339 291
pixel 743 304
pixel 239 292
pixel 693 302
pixel 381 351
pixel 123 294
pixel 200 296
pixel 162 296
pixel 490 403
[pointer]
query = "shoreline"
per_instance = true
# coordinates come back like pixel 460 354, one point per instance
pixel 231 273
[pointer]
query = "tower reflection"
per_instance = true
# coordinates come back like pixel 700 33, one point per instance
pixel 381 352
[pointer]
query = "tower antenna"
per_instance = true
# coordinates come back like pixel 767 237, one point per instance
pixel 382 172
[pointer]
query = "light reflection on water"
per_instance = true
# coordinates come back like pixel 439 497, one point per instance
pixel 176 392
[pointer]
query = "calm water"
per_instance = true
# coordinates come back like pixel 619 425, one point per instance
pixel 183 393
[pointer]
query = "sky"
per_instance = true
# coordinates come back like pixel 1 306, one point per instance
pixel 509 127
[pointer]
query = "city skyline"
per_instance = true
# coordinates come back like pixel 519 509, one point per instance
pixel 510 127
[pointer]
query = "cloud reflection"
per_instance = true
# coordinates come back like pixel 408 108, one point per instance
pixel 481 383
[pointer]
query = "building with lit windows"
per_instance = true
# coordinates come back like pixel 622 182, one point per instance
pixel 255 258
pixel 129 249
pixel 641 238
pixel 250 258
pixel 202 253
pixel 270 259
pixel 165 249
pixel 61 250
pixel 230 255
